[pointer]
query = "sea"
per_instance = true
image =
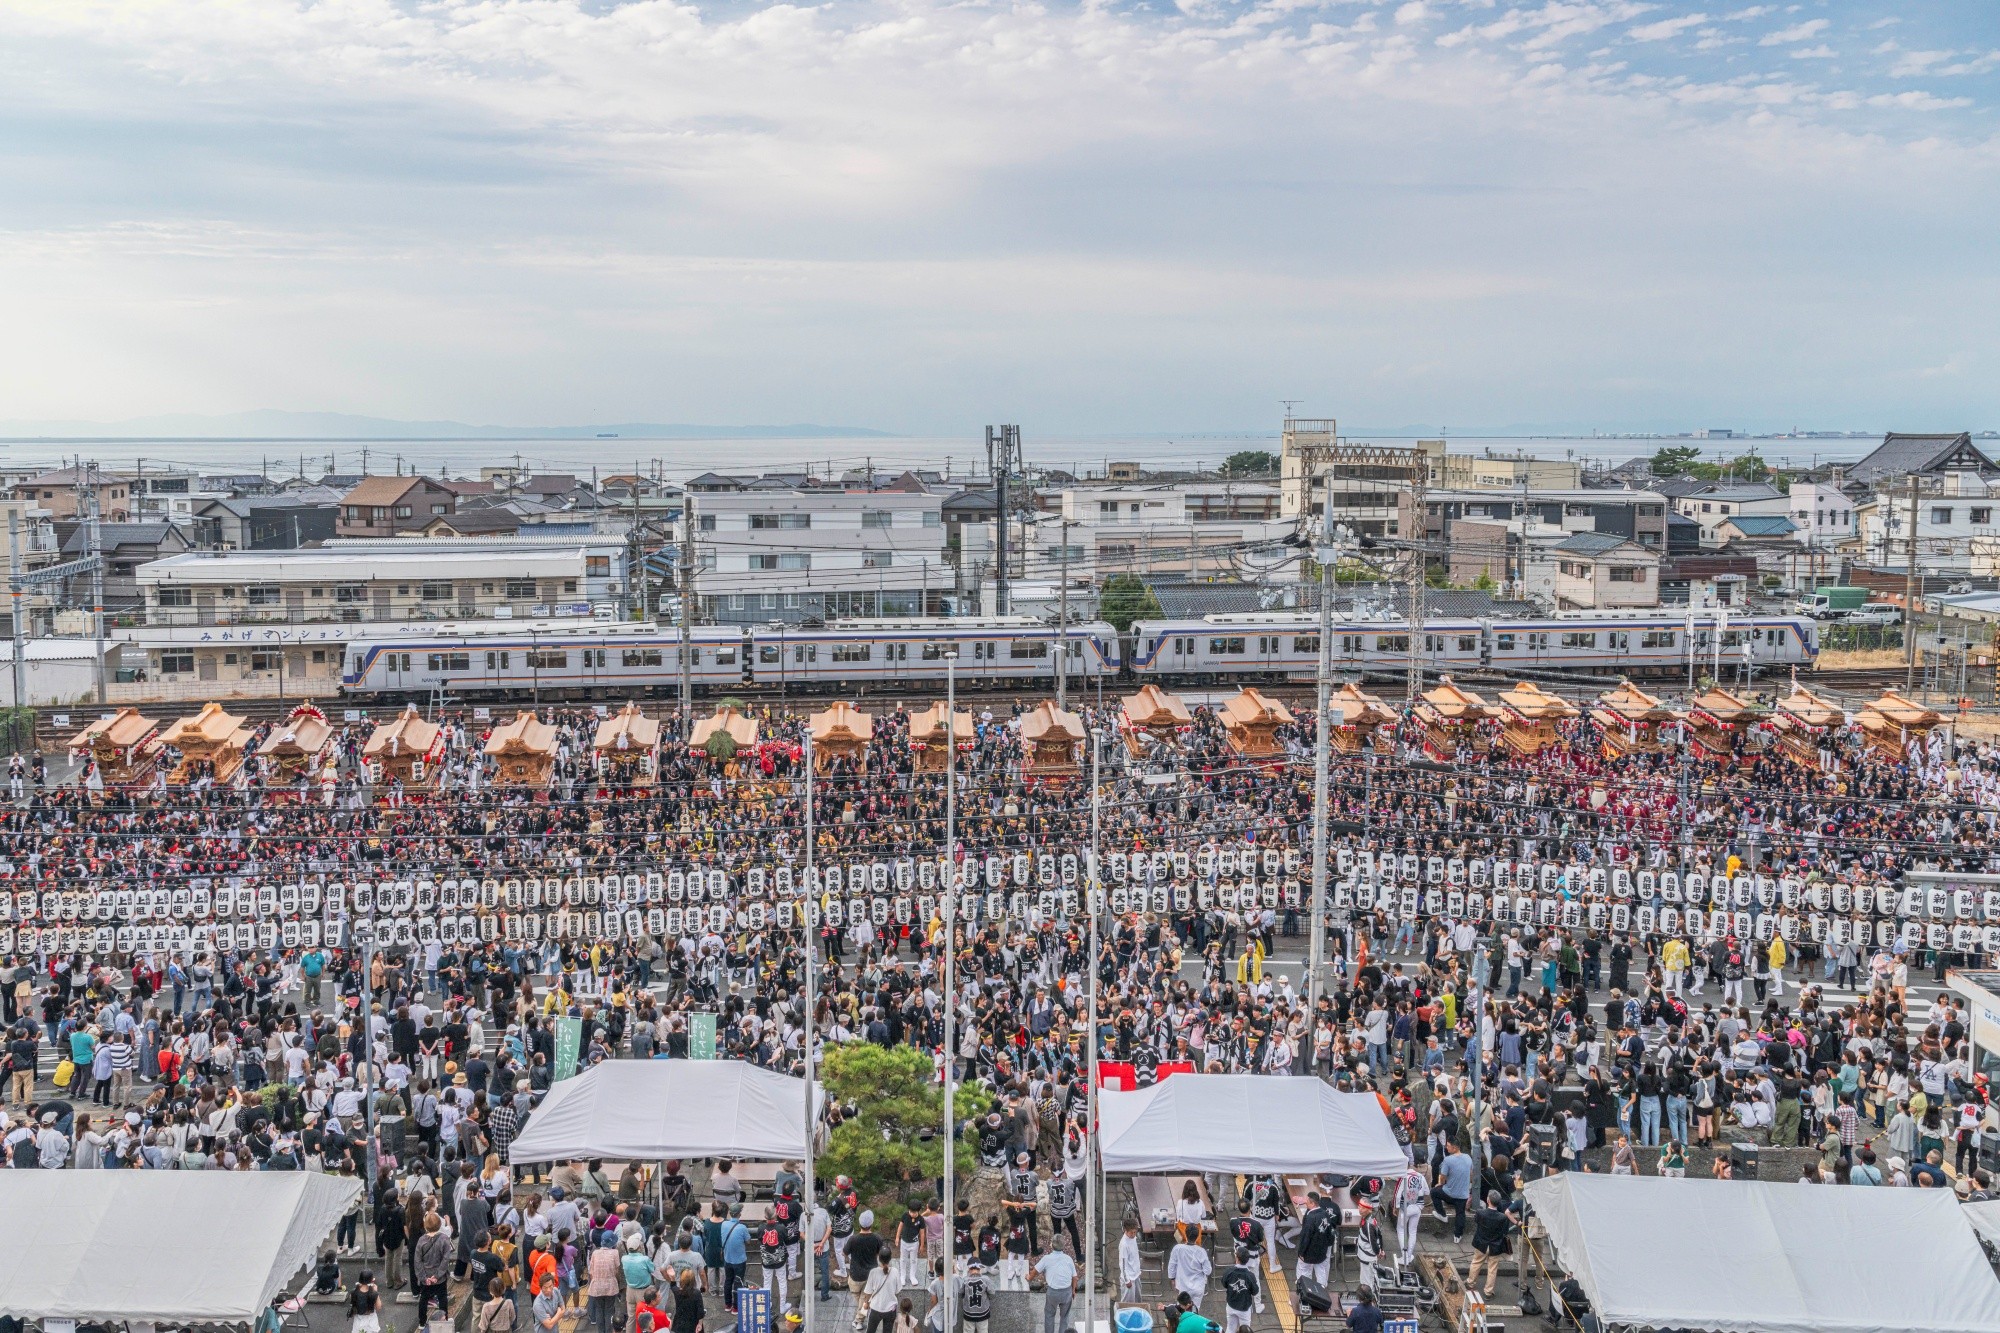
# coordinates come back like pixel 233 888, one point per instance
pixel 960 457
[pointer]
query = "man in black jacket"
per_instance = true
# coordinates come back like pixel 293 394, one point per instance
pixel 1240 1292
pixel 1491 1229
pixel 1319 1232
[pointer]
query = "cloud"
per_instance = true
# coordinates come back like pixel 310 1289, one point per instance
pixel 1745 15
pixel 1798 32
pixel 905 211
pixel 1665 28
pixel 1416 11
pixel 1820 52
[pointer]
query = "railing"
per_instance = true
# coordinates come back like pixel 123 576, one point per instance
pixel 366 613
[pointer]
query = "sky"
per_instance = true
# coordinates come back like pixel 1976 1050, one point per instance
pixel 923 215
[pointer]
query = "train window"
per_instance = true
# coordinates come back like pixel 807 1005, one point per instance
pixel 1073 648
pixel 399 661
pixel 770 654
pixel 1503 643
pixel 599 658
pixel 1777 637
pixel 805 652
pixel 1392 643
pixel 1184 645
pixel 1433 643
pixel 1579 640
pixel 1350 644
pixel 498 660
pixel 545 660
pixel 723 657
pixel 1732 638
pixel 449 662
pixel 1020 648
pixel 1657 638
pixel 1267 644
pixel 899 652
pixel 1306 643
pixel 1468 643
pixel 1538 642
pixel 853 652
pixel 645 657
pixel 1231 647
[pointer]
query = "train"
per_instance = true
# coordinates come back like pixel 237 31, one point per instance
pixel 612 661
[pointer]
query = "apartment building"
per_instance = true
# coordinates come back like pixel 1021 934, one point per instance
pixel 1638 516
pixel 792 556
pixel 62 491
pixel 389 581
pixel 1470 472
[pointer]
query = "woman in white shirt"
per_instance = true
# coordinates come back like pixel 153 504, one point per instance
pixel 1190 1214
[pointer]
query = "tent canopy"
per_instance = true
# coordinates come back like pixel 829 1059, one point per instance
pixel 658 1110
pixel 169 1246
pixel 1744 1256
pixel 1246 1123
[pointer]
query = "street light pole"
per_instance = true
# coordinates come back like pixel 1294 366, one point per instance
pixel 808 1278
pixel 1091 1241
pixel 948 913
pixel 1329 559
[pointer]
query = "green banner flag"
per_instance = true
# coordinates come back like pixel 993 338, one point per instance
pixel 569 1045
pixel 701 1037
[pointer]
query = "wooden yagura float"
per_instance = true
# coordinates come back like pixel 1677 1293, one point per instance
pixel 1251 723
pixel 523 752
pixel 1630 720
pixel 724 737
pixel 213 745
pixel 1717 721
pixel 626 749
pixel 1531 717
pixel 1450 719
pixel 841 732
pixel 1051 744
pixel 1806 724
pixel 301 748
pixel 1153 717
pixel 1892 724
pixel 125 747
pixel 929 743
pixel 1357 719
pixel 406 750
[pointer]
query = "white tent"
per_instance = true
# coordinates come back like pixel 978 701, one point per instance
pixel 1246 1123
pixel 1754 1256
pixel 1985 1219
pixel 183 1247
pixel 656 1110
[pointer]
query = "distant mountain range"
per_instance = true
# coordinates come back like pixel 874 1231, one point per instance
pixel 275 425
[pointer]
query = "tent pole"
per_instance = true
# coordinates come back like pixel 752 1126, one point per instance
pixel 809 1273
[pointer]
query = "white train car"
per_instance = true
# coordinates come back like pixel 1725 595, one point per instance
pixel 610 661
pixel 994 650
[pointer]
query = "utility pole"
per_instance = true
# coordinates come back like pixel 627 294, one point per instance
pixel 14 590
pixel 948 920
pixel 1092 1244
pixel 1910 596
pixel 1062 623
pixel 1328 556
pixel 687 616
pixel 96 553
pixel 1414 685
pixel 1007 439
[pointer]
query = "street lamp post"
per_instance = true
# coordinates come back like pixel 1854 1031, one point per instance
pixel 806 1301
pixel 948 913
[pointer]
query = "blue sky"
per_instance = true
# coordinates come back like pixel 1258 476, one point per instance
pixel 922 215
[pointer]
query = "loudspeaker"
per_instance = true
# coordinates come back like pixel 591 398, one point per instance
pixel 1542 1144
pixel 1743 1161
pixel 1313 1296
pixel 1989 1150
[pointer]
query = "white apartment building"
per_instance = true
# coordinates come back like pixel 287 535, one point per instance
pixel 783 555
pixel 1955 528
pixel 1823 514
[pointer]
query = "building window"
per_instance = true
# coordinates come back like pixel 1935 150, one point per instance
pixel 350 592
pixel 438 510
pixel 1627 574
pixel 786 522
pixel 877 559
pixel 933 519
pixel 1982 514
pixel 597 566
pixel 520 589
pixel 176 663
pixel 176 597
pixel 1940 516
pixel 878 518
pixel 262 594
pixel 402 511
pixel 569 585
pixel 267 661
pixel 434 590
